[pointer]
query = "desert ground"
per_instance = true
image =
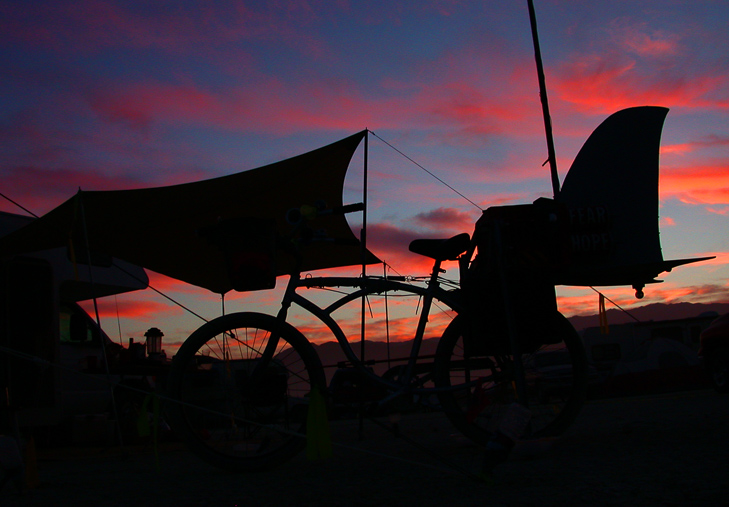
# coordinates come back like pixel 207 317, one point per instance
pixel 668 449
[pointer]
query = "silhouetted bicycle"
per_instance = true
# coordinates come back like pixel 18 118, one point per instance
pixel 244 384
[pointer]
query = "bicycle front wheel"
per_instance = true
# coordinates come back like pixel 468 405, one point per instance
pixel 479 387
pixel 235 408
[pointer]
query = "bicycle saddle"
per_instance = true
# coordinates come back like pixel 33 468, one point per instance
pixel 442 249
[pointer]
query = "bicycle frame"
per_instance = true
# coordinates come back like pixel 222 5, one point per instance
pixel 366 286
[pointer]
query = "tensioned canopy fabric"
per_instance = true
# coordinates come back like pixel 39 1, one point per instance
pixel 163 228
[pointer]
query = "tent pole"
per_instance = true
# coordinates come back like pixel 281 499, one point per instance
pixel 105 359
pixel 545 104
pixel 363 241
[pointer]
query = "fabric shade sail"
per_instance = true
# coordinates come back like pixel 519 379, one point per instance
pixel 219 234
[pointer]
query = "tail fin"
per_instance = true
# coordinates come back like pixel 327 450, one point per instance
pixel 617 171
pixel 611 194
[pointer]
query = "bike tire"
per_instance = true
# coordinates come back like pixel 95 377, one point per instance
pixel 489 384
pixel 228 419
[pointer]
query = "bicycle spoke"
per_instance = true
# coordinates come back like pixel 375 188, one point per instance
pixel 478 387
pixel 238 409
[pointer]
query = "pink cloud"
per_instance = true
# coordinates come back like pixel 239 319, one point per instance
pixel 719 211
pixel 576 301
pixel 677 149
pixel 640 39
pixel 720 259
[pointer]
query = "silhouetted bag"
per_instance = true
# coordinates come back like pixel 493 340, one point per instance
pixel 517 249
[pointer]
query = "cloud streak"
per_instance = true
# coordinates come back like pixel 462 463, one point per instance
pixel 110 94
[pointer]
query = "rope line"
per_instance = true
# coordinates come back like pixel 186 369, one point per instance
pixel 18 205
pixel 169 298
pixel 427 171
pixel 617 305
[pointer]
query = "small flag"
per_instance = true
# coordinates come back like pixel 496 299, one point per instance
pixel 318 438
pixel 604 328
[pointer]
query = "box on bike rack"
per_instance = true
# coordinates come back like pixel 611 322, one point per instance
pixel 248 246
pixel 517 250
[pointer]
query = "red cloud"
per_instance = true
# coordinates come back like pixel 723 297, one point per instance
pixel 608 82
pixel 137 309
pixel 698 184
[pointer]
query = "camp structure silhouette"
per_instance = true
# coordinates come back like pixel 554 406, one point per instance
pixel 234 233
pixel 220 234
pixel 611 193
pixel 601 228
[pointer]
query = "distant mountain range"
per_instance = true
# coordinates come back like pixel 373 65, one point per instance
pixel 330 352
pixel 652 312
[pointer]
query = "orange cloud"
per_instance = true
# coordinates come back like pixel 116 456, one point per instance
pixel 378 326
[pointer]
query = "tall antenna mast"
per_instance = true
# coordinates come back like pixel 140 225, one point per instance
pixel 545 103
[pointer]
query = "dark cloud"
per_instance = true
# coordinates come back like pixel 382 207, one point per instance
pixel 445 219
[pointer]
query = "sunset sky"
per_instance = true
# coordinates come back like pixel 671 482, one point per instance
pixel 111 94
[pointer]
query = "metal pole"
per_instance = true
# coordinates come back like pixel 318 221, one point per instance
pixel 545 104
pixel 363 240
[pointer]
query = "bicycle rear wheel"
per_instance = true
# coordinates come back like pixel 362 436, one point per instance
pixel 233 408
pixel 555 379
